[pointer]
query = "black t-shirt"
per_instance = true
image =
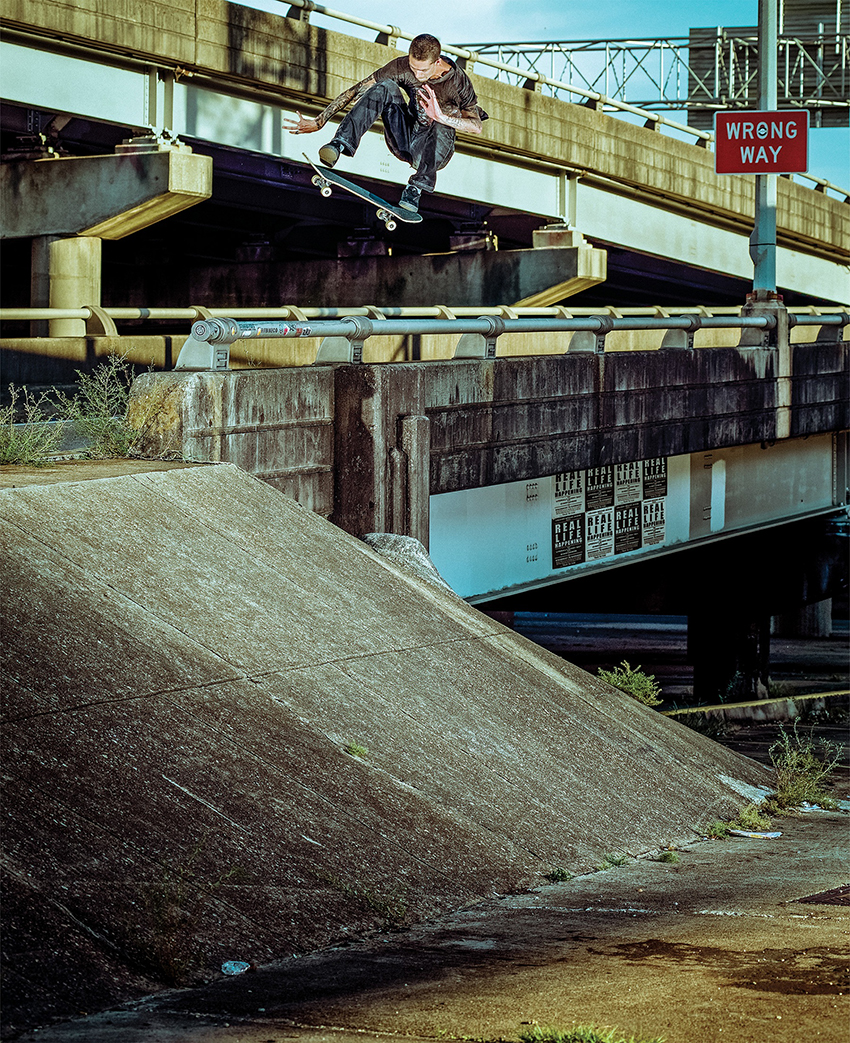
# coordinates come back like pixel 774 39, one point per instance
pixel 454 89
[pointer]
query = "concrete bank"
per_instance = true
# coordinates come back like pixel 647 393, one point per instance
pixel 196 667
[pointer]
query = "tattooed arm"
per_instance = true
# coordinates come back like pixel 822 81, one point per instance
pixel 468 121
pixel 306 125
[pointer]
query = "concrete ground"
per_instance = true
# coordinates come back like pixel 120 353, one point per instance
pixel 718 946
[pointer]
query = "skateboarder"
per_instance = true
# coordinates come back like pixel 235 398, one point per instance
pixel 423 100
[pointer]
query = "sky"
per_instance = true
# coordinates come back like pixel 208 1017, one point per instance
pixel 474 21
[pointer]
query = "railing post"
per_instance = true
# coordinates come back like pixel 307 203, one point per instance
pixel 348 348
pixel 481 345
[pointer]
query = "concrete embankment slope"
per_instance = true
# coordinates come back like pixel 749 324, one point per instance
pixel 187 655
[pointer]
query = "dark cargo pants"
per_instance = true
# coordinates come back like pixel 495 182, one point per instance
pixel 427 147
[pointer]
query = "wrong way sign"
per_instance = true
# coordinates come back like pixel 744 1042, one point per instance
pixel 761 142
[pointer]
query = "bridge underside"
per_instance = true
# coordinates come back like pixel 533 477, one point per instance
pixel 245 245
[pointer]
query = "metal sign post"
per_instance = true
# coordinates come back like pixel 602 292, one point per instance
pixel 763 238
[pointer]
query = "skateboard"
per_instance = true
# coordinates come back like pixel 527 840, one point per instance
pixel 324 178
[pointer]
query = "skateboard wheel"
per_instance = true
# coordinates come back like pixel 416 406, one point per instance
pixel 320 182
pixel 391 226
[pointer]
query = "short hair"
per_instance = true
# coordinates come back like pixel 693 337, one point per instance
pixel 425 48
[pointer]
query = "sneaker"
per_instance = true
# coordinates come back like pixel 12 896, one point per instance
pixel 329 154
pixel 410 198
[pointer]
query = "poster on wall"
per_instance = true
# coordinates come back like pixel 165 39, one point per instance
pixel 569 494
pixel 599 534
pixel 655 477
pixel 599 487
pixel 628 527
pixel 653 522
pixel 613 509
pixel 628 482
pixel 567 541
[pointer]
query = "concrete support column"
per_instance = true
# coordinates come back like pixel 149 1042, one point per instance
pixel 779 340
pixel 808 621
pixel 415 436
pixel 730 654
pixel 381 451
pixel 75 273
pixel 40 281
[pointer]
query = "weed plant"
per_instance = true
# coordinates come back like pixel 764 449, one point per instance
pixel 611 860
pixel 558 875
pixel 670 857
pixel 835 712
pixel 718 829
pixel 98 410
pixel 581 1034
pixel 803 766
pixel 754 818
pixel 33 444
pixel 634 682
pixel 354 749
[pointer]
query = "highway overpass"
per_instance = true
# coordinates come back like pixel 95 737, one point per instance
pixel 78 82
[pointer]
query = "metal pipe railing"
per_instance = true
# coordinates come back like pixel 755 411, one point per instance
pixel 230 331
pixel 342 340
pixel 806 315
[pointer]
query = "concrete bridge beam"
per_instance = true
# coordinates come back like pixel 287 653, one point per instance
pixel 529 278
pixel 106 196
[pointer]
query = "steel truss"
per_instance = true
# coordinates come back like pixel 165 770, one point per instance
pixel 709 70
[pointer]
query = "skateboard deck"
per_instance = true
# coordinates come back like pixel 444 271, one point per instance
pixel 324 178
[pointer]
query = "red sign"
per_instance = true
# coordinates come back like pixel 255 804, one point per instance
pixel 761 142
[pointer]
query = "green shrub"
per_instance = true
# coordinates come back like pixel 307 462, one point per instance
pixel 634 682
pixel 558 875
pixel 609 861
pixel 803 767
pixel 718 830
pixel 33 444
pixel 98 410
pixel 753 818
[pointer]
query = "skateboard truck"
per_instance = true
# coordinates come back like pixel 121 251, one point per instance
pixel 324 187
pixel 325 180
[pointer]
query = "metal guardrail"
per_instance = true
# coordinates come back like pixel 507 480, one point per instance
pixel 388 34
pixel 291 311
pixel 100 321
pixel 342 339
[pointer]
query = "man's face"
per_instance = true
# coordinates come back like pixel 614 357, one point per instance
pixel 422 69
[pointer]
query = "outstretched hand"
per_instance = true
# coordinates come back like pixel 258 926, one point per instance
pixel 303 125
pixel 430 105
